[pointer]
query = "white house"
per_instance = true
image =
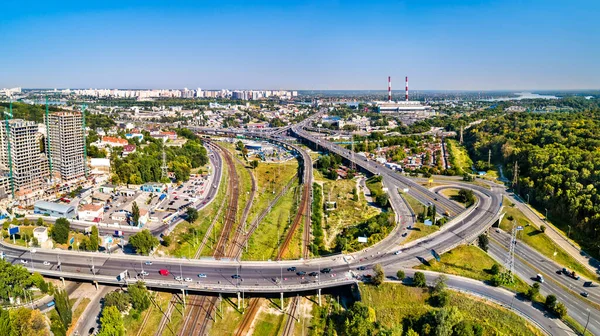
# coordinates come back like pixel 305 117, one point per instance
pixel 91 212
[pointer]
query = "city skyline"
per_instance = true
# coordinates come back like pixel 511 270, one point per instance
pixel 467 45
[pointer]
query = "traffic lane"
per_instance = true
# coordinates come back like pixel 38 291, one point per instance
pixel 548 268
pixel 429 197
pixel 576 308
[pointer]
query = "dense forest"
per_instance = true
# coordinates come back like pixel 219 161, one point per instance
pixel 558 164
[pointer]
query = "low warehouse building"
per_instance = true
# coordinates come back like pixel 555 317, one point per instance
pixel 54 209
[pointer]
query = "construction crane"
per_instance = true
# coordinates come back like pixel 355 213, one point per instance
pixel 8 115
pixel 85 168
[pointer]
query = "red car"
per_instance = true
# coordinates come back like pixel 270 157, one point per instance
pixel 164 272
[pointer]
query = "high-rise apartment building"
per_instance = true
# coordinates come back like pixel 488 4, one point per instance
pixel 65 130
pixel 25 159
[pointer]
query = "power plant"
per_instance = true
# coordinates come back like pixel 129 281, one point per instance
pixel 410 111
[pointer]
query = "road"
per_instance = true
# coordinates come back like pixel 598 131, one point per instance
pixel 529 263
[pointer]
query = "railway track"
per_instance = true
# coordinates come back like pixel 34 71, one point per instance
pixel 303 209
pixel 201 307
pixel 240 237
pixel 249 315
pixel 288 330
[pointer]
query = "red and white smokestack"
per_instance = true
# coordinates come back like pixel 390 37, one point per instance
pixel 406 88
pixel 389 88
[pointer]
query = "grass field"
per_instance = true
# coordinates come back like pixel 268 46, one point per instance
pixel 420 230
pixel 269 322
pixel 452 194
pixel 393 302
pixel 459 157
pixel 348 211
pixel 227 322
pixel 132 326
pixel 270 179
pixel 264 243
pixel 471 262
pixel 416 206
pixel 535 238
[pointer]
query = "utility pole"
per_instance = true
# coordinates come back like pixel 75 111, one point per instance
pixel 515 175
pixel 510 259
pixel 164 167
pixel 489 156
pixel 10 166
pixel 352 164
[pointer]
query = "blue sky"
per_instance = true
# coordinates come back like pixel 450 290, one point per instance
pixel 453 45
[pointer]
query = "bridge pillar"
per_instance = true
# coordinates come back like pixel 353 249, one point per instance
pixel 282 302
pixel 239 300
pixel 63 281
pixel 183 292
pixel 96 284
pixel 319 296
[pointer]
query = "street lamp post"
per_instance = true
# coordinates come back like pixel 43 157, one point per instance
pixel 527 198
pixel 588 321
pixel 546 214
pixel 569 233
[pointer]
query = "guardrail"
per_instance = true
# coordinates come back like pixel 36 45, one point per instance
pixel 202 287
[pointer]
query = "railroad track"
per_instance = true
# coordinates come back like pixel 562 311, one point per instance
pixel 165 319
pixel 240 237
pixel 303 209
pixel 288 330
pixel 249 315
pixel 201 307
pixel 232 204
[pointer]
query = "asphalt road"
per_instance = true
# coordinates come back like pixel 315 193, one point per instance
pixel 528 263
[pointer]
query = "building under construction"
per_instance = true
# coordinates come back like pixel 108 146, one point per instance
pixel 66 147
pixel 25 159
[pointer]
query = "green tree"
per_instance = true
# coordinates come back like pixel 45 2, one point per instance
pixel 254 164
pixel 495 269
pixel 60 230
pixel 94 238
pixel 400 275
pixel 111 322
pixel 118 299
pixel 135 213
pixel 560 310
pixel 379 276
pixel 166 241
pixel 551 302
pixel 39 222
pixel 63 307
pixel 192 214
pixel 533 291
pixel 5 322
pixel 419 279
pixel 483 241
pixel 445 320
pixel 543 228
pixel 27 322
pixel 143 242
pixel 140 297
